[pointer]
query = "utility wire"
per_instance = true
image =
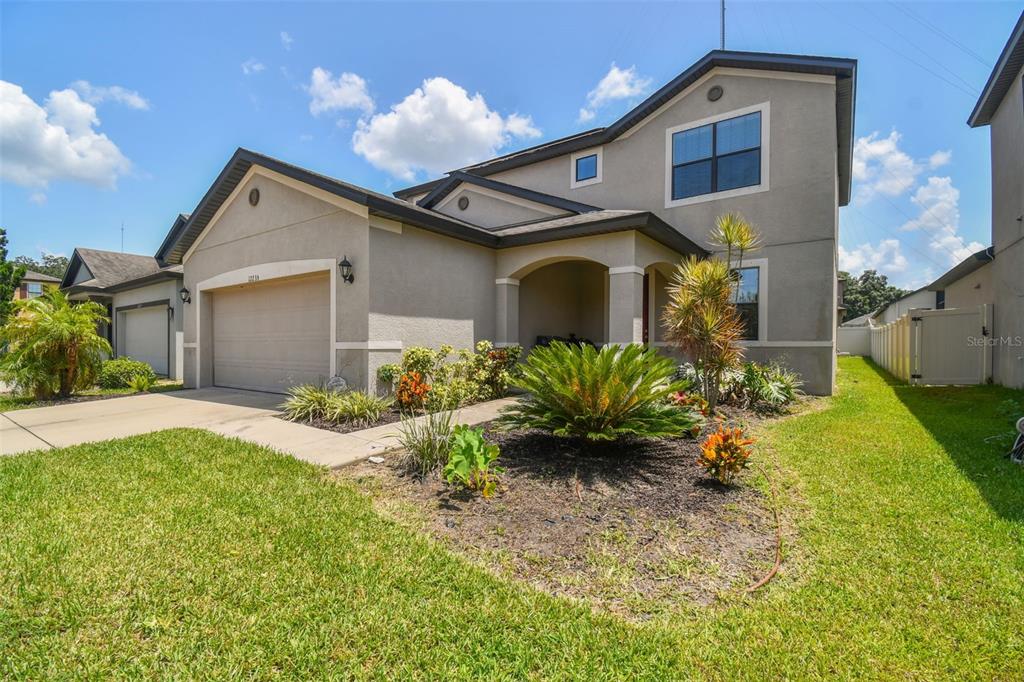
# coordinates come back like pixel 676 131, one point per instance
pixel 938 31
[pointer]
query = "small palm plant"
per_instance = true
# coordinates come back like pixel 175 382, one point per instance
pixel 619 391
pixel 53 347
pixel 703 322
pixel 733 233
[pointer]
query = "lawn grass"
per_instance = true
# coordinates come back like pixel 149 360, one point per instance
pixel 9 402
pixel 182 554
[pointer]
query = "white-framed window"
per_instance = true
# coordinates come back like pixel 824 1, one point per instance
pixel 718 157
pixel 586 167
pixel 752 298
pixel 34 289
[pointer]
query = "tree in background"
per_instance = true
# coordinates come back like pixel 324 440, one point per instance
pixel 868 293
pixel 51 264
pixel 10 279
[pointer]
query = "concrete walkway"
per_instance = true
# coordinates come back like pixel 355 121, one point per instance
pixel 248 415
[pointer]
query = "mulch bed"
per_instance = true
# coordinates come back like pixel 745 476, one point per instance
pixel 634 528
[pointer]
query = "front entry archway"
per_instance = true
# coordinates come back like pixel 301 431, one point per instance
pixel 567 299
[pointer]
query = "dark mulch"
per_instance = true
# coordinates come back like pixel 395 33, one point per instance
pixel 636 528
pixel 389 417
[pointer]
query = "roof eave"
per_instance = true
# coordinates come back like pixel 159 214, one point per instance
pixel 1010 61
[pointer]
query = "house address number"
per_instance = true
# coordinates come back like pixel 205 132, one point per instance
pixel 254 278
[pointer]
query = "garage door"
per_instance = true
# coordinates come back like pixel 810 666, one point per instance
pixel 272 335
pixel 144 336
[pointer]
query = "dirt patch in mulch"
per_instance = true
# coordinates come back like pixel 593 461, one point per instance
pixel 389 417
pixel 634 528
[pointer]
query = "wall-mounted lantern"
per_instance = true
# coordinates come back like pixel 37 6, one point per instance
pixel 185 294
pixel 346 270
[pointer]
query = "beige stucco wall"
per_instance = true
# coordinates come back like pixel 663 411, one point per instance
pixel 971 290
pixel 165 290
pixel 286 225
pixel 797 216
pixel 1007 131
pixel 427 290
pixel 488 210
pixel 897 309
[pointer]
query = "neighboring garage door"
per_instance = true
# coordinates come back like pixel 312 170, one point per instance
pixel 144 336
pixel 272 335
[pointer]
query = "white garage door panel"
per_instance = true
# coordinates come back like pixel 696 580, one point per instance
pixel 144 334
pixel 272 335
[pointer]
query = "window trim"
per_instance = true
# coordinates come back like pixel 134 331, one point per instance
pixel 762 298
pixel 593 151
pixel 764 108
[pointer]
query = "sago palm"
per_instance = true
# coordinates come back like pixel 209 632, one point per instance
pixel 53 346
pixel 577 391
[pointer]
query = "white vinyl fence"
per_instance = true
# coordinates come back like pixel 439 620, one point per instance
pixel 937 346
pixel 853 340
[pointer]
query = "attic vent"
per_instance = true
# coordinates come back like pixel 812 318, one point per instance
pixel 715 93
pixel 254 196
pixel 463 203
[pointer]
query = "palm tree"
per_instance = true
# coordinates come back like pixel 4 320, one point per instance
pixel 703 322
pixel 53 347
pixel 734 234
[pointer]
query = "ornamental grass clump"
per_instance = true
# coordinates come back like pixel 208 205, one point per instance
pixel 579 392
pixel 724 453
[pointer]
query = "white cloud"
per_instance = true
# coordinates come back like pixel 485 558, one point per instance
pixel 286 40
pixel 347 91
pixel 38 198
pixel 55 142
pixel 881 167
pixel 939 159
pixel 938 201
pixel 95 94
pixel 886 257
pixel 251 66
pixel 437 127
pixel 615 85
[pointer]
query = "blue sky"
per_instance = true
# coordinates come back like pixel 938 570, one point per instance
pixel 125 112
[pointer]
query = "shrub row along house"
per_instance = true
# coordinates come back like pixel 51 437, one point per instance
pixel 289 276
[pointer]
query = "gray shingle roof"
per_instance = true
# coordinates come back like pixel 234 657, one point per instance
pixel 33 276
pixel 112 269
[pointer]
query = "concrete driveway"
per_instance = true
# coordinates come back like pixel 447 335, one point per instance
pixel 248 415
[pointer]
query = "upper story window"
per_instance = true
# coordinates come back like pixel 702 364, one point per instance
pixel 34 289
pixel 586 167
pixel 718 157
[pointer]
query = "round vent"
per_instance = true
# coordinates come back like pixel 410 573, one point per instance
pixel 463 203
pixel 254 196
pixel 715 93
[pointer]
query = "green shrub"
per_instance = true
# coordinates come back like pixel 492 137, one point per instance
pixel 388 374
pixel 470 460
pixel 577 391
pixel 307 403
pixel 471 376
pixel 426 441
pixel 141 383
pixel 753 386
pixel 119 372
pixel 356 407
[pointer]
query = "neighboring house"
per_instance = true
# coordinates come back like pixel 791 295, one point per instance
pixel 967 284
pixel 142 301
pixel 577 236
pixel 33 284
pixel 861 321
pixel 1001 108
pixel 922 298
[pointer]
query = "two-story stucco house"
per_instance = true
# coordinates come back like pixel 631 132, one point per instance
pixel 291 276
pixel 1001 108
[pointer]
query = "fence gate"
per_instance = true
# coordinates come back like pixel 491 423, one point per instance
pixel 949 346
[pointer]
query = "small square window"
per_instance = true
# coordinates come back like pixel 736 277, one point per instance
pixel 586 168
pixel 34 289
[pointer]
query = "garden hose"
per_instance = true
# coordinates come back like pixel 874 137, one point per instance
pixel 778 535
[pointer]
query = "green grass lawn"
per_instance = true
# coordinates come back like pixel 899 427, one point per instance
pixel 182 554
pixel 10 402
